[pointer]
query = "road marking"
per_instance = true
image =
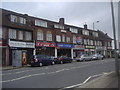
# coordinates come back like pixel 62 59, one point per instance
pixel 66 69
pixel 84 81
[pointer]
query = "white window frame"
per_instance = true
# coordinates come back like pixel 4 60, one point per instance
pixel 49 36
pixel 40 23
pixel 28 36
pixel 63 38
pixel 12 33
pixel 39 35
pixel 22 20
pixel 20 35
pixel 74 39
pixel 68 39
pixel 58 38
pixel 13 18
pixel 73 30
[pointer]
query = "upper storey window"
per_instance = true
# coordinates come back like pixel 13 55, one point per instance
pixel 40 23
pixel 95 34
pixel 58 26
pixel 17 19
pixel 74 30
pixel 13 18
pixel 85 32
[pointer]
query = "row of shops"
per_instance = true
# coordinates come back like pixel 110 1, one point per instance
pixel 18 53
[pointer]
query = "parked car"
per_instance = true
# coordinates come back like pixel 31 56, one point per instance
pixel 83 57
pixel 40 60
pixel 97 56
pixel 63 59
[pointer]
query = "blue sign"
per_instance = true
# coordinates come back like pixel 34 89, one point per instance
pixel 65 45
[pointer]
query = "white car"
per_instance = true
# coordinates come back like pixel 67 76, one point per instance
pixel 84 57
pixel 97 56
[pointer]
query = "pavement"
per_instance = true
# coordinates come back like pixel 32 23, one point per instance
pixel 110 80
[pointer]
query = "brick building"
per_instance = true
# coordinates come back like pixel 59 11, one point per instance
pixel 24 36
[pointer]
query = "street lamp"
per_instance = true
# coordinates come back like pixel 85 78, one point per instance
pixel 94 24
pixel 115 45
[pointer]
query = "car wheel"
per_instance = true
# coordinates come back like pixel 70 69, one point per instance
pixel 40 64
pixel 53 63
pixel 61 62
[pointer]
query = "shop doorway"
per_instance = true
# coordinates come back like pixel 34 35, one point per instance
pixel 16 58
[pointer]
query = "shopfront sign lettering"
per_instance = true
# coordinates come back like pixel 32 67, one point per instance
pixel 21 44
pixel 79 47
pixel 65 45
pixel 109 47
pixel 45 44
pixel 89 47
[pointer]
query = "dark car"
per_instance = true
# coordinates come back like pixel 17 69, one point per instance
pixel 83 57
pixel 40 60
pixel 63 59
pixel 97 56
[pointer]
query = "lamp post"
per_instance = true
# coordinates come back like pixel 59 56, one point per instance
pixel 115 45
pixel 94 24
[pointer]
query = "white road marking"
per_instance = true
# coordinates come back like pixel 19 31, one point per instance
pixel 40 74
pixel 84 81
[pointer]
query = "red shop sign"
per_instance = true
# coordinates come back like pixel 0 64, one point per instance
pixel 45 44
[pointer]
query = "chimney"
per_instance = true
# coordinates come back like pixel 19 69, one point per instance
pixel 61 21
pixel 85 26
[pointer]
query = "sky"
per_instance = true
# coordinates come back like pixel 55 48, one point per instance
pixel 75 13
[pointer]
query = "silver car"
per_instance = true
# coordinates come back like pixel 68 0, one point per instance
pixel 84 57
pixel 97 57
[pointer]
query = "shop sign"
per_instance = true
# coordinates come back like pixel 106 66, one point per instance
pixel 79 47
pixel 92 49
pixel 89 47
pixel 100 48
pixel 45 44
pixel 21 44
pixel 109 47
pixel 86 49
pixel 65 45
pixel 79 40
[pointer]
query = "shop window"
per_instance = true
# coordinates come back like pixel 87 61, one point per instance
pixel 58 38
pixel 22 20
pixel 20 35
pixel 12 33
pixel 28 36
pixel 41 23
pixel 74 39
pixel 40 35
pixel 13 18
pixel 67 39
pixel 63 38
pixel 49 36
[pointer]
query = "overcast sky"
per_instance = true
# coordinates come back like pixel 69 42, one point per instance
pixel 75 13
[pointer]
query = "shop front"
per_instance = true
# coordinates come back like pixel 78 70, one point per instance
pixel 109 52
pixel 20 52
pixel 65 50
pixel 101 50
pixel 78 50
pixel 89 50
pixel 45 48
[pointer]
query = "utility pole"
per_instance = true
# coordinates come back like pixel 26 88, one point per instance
pixel 115 44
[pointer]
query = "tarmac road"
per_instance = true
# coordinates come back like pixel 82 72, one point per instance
pixel 55 76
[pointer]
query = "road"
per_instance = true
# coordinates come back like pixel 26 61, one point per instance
pixel 55 76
